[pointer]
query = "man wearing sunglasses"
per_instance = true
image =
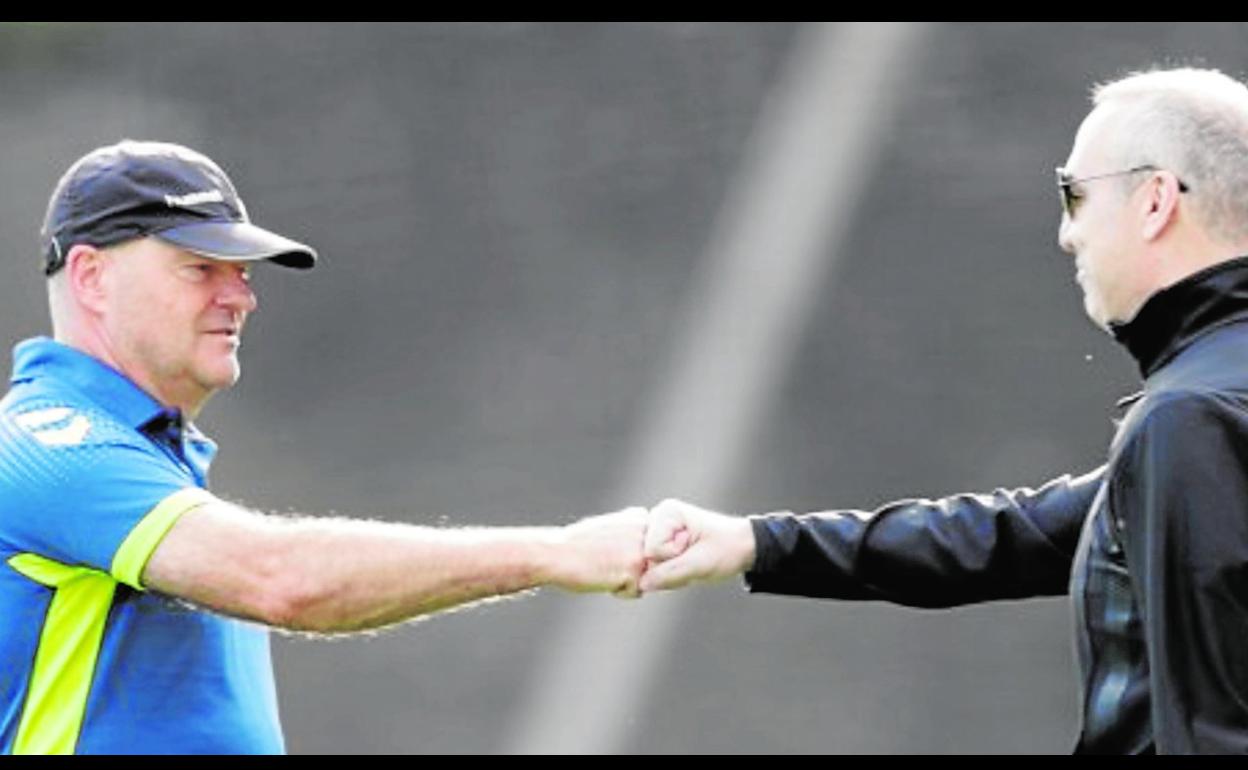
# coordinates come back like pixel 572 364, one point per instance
pixel 1153 546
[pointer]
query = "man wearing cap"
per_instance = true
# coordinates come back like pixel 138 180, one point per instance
pixel 105 519
pixel 1153 546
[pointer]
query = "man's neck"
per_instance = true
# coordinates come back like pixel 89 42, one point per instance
pixel 1193 252
pixel 178 393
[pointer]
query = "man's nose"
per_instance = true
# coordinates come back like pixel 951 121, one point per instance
pixel 1064 240
pixel 236 293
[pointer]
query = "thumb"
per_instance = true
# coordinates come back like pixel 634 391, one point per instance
pixel 675 543
pixel 674 573
pixel 666 537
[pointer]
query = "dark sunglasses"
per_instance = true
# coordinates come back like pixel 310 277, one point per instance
pixel 1070 197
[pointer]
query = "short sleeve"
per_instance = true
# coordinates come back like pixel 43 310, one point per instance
pixel 78 488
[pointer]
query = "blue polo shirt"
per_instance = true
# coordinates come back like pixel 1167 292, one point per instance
pixel 93 473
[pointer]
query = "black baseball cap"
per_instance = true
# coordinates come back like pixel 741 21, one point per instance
pixel 135 189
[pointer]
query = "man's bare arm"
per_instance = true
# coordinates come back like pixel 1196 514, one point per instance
pixel 339 575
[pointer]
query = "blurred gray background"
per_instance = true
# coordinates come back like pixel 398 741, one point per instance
pixel 553 282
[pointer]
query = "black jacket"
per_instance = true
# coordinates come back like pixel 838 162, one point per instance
pixel 1152 547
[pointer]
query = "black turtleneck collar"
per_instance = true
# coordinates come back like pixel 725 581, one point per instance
pixel 1175 316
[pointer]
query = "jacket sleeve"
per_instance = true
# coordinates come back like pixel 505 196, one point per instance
pixel 1179 500
pixel 929 553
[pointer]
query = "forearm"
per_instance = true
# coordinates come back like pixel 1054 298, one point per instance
pixel 928 553
pixel 352 575
pixel 341 575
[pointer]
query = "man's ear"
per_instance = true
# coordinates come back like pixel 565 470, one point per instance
pixel 1160 205
pixel 85 269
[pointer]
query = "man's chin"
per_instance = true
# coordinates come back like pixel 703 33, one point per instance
pixel 221 375
pixel 1096 314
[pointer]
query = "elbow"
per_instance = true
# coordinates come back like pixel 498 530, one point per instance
pixel 293 603
pixel 281 605
pixel 285 595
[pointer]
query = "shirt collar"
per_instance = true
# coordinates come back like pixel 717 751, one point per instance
pixel 43 357
pixel 1176 316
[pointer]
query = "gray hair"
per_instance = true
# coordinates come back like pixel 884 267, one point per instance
pixel 1193 122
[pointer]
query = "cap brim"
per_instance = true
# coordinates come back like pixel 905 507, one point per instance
pixel 239 242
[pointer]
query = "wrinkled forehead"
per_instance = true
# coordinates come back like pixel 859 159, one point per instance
pixel 148 266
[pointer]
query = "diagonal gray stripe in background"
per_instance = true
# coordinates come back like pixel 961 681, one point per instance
pixel 775 241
